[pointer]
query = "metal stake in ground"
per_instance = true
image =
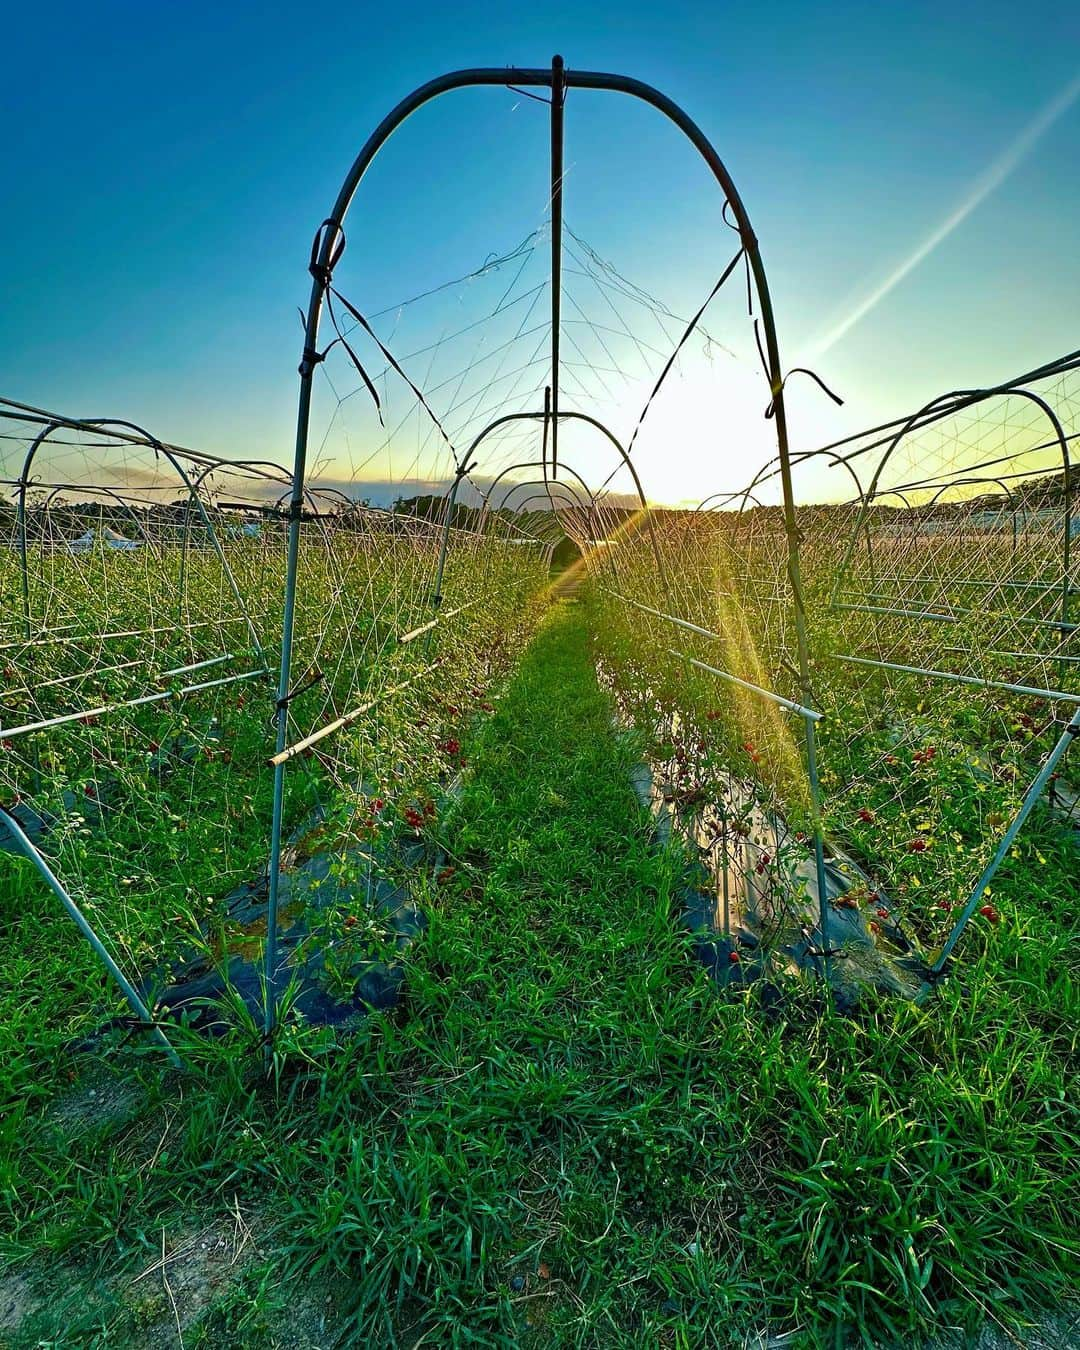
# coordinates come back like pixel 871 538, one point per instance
pixel 138 1007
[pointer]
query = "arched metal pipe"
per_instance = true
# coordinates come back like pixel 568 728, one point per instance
pixel 771 468
pixel 539 492
pixel 109 424
pixel 542 491
pixel 722 498
pixel 968 482
pixel 537 464
pixel 618 445
pixel 971 397
pixel 328 246
pixel 26 412
pixel 465 467
pixel 547 544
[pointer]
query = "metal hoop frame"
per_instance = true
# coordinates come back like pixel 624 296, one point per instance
pixel 559 80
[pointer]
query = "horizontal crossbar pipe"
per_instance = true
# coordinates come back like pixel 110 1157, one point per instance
pixel 126 665
pixel 898 613
pixel 398 525
pixel 258 468
pixel 778 699
pixel 414 633
pixel 87 674
pixel 141 1011
pixel 940 482
pixel 670 618
pixel 960 615
pixel 1055 587
pixel 952 678
pixel 750 593
pixel 978 610
pixel 7 733
pixel 347 719
pixel 685 623
pixel 1055 657
pixel 60 629
pixel 956 402
pixel 1031 796
pixel 130 632
pixel 198 665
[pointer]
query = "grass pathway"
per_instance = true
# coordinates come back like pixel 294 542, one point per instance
pixel 565 1135
pixel 543 1130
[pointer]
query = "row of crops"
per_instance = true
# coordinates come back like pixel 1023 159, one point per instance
pixel 139 645
pixel 848 715
pixel 926 709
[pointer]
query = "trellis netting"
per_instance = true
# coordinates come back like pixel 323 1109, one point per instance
pixel 137 621
pixel 937 557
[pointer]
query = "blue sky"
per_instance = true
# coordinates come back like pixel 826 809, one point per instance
pixel 164 168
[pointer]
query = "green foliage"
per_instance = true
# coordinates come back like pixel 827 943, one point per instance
pixel 568 1135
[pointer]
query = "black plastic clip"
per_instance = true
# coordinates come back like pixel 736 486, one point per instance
pixel 933 978
pixel 282 703
pixel 310 360
pixel 464 469
pixel 322 272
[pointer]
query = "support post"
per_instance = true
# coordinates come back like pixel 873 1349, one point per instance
pixel 818 838
pixel 558 101
pixel 288 619
pixel 546 432
pixel 444 544
pixel 24 560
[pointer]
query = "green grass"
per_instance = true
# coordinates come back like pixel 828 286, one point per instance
pixel 567 1135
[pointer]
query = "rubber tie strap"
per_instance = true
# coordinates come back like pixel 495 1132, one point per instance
pixel 282 703
pixel 322 272
pixel 933 977
pixel 310 359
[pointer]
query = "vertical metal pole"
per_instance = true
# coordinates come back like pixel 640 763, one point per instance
pixel 444 543
pixel 185 537
pixel 872 569
pixel 1066 550
pixel 23 559
pixel 547 424
pixel 141 1011
pixel 288 619
pixel 776 384
pixel 1066 567
pixel 558 100
pixel 296 506
pixel 819 845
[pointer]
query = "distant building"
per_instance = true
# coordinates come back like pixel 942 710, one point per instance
pixel 109 539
